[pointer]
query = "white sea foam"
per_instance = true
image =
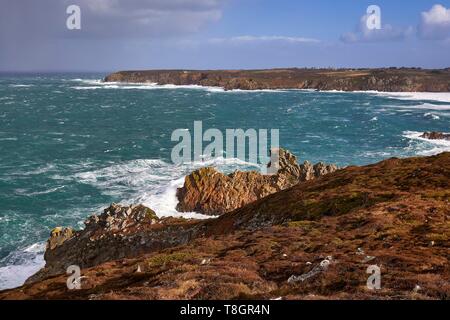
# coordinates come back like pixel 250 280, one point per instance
pixel 145 87
pixel 431 115
pixel 21 264
pixel 409 96
pixel 51 190
pixel 153 182
pixel 414 96
pixel 99 84
pixel 426 147
pixel 21 85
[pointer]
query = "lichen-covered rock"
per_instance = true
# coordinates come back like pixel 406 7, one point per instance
pixel 117 217
pixel 58 236
pixel 210 192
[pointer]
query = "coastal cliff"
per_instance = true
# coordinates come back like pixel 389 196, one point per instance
pixel 387 80
pixel 314 240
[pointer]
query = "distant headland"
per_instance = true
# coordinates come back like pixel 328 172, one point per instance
pixel 383 80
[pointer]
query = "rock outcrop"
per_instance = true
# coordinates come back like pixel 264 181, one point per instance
pixel 119 232
pixel 210 192
pixel 390 80
pixel 315 240
pixel 436 136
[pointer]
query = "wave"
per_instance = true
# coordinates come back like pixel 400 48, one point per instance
pixel 414 96
pixel 146 87
pixel 37 193
pixel 426 147
pixel 423 106
pixel 431 115
pixel 408 96
pixel 99 84
pixel 20 265
pixel 21 85
pixel 153 182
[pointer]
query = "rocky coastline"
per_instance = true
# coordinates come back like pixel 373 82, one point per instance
pixel 383 80
pixel 309 232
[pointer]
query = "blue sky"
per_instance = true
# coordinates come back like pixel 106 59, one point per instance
pixel 321 19
pixel 218 34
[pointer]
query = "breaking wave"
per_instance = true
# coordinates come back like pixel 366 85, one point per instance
pixel 415 96
pixel 426 147
pixel 20 265
pixel 153 182
pixel 99 84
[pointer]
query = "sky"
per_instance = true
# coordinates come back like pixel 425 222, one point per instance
pixel 222 34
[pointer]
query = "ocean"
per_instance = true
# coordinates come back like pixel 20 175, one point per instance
pixel 71 145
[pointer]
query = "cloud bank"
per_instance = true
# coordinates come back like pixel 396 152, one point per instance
pixel 435 23
pixel 109 18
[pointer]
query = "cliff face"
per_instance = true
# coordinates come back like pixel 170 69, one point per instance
pixel 314 240
pixel 388 80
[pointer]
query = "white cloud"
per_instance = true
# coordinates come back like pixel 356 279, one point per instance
pixel 255 39
pixel 155 18
pixel 386 33
pixel 435 23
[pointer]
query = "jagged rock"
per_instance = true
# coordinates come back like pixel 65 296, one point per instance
pixel 117 217
pixel 210 192
pixel 436 136
pixel 120 231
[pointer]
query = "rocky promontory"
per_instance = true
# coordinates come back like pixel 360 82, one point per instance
pixel 211 192
pixel 387 79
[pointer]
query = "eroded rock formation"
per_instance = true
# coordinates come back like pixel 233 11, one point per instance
pixel 210 192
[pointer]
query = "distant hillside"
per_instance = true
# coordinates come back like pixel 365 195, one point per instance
pixel 388 80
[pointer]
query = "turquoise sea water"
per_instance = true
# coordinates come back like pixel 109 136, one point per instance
pixel 70 145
